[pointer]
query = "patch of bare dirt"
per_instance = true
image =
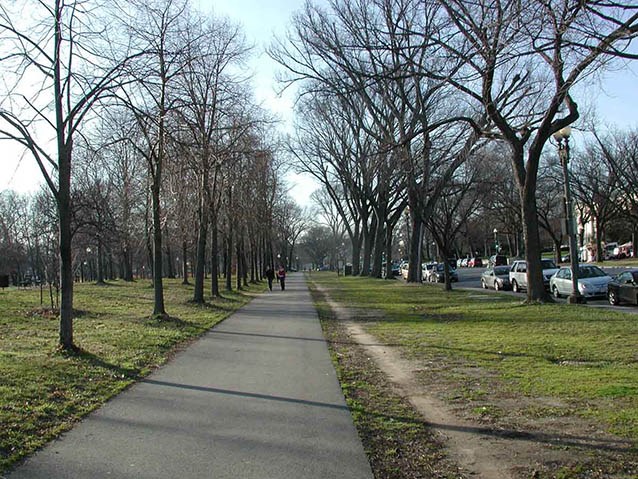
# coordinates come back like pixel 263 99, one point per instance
pixel 513 437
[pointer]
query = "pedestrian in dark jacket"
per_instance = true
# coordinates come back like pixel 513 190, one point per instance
pixel 270 275
pixel 281 275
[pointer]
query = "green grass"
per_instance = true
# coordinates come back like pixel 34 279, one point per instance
pixel 43 390
pixel 584 357
pixel 398 442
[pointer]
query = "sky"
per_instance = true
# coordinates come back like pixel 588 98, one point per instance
pixel 616 102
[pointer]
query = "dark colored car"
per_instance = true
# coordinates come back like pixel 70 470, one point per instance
pixel 623 288
pixel 497 277
pixel 396 269
pixel 475 262
pixel 437 274
pixel 498 260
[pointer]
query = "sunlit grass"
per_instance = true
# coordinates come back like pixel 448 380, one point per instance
pixel 583 356
pixel 43 391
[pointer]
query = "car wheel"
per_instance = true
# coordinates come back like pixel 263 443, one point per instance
pixel 613 297
pixel 555 292
pixel 483 284
pixel 515 287
pixel 496 286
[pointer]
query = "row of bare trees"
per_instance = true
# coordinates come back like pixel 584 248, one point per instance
pixel 147 136
pixel 403 101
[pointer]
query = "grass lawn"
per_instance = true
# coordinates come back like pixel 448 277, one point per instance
pixel 581 361
pixel 43 391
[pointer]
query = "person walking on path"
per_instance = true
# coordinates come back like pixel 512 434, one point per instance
pixel 281 274
pixel 270 275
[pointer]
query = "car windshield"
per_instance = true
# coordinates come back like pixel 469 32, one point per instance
pixel 501 270
pixel 548 264
pixel 590 272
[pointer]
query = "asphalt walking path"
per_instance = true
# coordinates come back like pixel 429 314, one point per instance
pixel 256 397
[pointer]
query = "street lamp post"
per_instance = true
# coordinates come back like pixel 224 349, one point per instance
pixel 88 257
pixel 562 140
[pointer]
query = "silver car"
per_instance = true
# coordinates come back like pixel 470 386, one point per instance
pixel 496 277
pixel 592 281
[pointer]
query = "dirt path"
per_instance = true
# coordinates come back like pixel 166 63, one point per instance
pixel 484 451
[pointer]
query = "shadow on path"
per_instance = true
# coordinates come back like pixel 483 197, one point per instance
pixel 586 442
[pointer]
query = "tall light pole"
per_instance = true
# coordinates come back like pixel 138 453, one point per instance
pixel 562 141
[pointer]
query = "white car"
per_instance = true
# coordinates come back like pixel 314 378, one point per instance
pixel 426 270
pixel 592 281
pixel 518 273
pixel 403 268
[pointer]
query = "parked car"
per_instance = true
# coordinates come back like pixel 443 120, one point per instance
pixel 396 269
pixel 497 260
pixel 496 277
pixel 404 270
pixel 437 274
pixel 475 262
pixel 592 281
pixel 622 251
pixel 518 273
pixel 426 268
pixel 623 288
pixel 464 262
pixel 609 248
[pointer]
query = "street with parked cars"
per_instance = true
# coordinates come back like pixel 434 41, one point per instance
pixel 606 285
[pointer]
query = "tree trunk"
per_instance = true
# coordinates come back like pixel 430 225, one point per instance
pixel 244 261
pixel 228 256
pixel 200 262
pixel 356 250
pixel 416 240
pixel 214 262
pixel 600 254
pixel 368 237
pixel 377 258
pixel 184 263
pixel 535 287
pixel 169 261
pixel 148 240
pixel 158 286
pixel 100 262
pixel 66 258
pixel 238 273
pixel 388 252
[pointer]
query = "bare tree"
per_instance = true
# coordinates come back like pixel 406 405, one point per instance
pixel 63 53
pixel 595 186
pixel 522 60
pixel 551 216
pixel 210 94
pixel 160 27
pixel 619 149
pixel 368 55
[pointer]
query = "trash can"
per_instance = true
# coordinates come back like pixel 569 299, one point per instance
pixel 347 270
